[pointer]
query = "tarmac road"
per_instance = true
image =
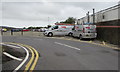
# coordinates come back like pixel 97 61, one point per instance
pixel 60 54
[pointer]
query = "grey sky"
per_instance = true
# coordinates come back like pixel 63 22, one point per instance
pixel 25 13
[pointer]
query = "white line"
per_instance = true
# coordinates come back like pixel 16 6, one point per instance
pixel 11 45
pixel 23 60
pixel 13 57
pixel 67 45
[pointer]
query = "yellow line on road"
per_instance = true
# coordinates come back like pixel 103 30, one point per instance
pixel 32 58
pixel 35 61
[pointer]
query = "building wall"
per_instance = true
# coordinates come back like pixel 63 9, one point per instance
pixel 101 16
pixel 107 17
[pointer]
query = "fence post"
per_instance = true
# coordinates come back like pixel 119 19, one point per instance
pixel 1 32
pixel 22 32
pixel 11 32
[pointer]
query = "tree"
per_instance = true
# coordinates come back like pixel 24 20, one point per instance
pixel 30 27
pixel 70 20
pixel 24 27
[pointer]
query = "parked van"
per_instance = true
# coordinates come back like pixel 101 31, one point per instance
pixel 59 30
pixel 87 30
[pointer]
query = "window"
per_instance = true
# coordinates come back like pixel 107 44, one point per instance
pixel 103 17
pixel 56 27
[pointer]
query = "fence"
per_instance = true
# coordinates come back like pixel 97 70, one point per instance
pixel 27 33
pixel 109 31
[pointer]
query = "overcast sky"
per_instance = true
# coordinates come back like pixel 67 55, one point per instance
pixel 24 13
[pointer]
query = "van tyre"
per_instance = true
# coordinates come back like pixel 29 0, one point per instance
pixel 80 37
pixel 70 34
pixel 50 34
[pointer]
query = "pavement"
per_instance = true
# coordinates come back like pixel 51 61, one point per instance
pixel 62 54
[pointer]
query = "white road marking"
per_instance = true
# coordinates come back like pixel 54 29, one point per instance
pixel 11 45
pixel 67 45
pixel 23 62
pixel 13 57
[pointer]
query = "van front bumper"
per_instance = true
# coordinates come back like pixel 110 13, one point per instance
pixel 89 35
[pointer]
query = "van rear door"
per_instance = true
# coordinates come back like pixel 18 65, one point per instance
pixel 89 28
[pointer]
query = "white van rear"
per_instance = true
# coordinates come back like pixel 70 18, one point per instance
pixel 84 31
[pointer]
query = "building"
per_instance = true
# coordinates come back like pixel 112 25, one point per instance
pixel 109 14
pixel 108 24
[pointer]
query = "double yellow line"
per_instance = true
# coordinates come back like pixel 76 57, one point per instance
pixel 33 60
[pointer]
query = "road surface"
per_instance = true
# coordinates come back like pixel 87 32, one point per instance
pixel 60 54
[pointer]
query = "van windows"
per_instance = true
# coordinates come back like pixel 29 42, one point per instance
pixel 73 28
pixel 55 27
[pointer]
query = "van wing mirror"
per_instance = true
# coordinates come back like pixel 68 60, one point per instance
pixel 73 28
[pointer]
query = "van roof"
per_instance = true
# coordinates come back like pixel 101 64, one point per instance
pixel 63 24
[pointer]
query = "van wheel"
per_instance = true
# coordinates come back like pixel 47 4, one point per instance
pixel 70 34
pixel 50 34
pixel 80 37
pixel 93 39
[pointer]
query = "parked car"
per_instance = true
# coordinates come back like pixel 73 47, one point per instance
pixel 4 30
pixel 25 30
pixel 16 30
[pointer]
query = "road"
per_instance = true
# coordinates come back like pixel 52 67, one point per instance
pixel 60 54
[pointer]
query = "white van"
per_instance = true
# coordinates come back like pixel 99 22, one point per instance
pixel 59 30
pixel 87 30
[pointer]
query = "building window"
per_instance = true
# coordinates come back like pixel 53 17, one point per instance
pixel 103 17
pixel 83 22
